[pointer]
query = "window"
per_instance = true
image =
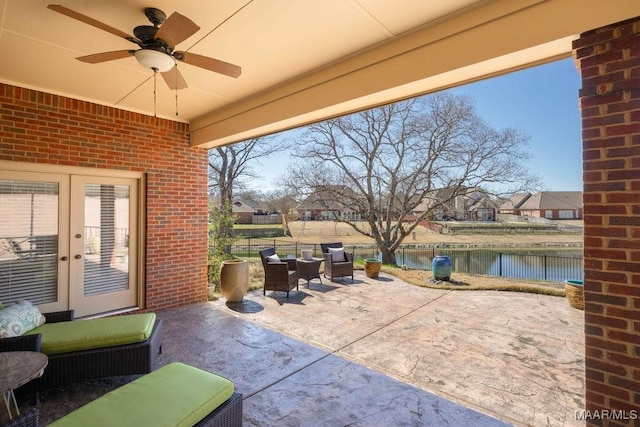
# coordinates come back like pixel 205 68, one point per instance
pixel 565 214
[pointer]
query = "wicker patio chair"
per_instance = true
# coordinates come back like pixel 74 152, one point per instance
pixel 278 276
pixel 336 268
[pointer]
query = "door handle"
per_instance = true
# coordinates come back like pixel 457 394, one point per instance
pixel 78 256
pixel 64 258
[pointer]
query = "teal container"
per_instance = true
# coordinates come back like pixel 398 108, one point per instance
pixel 441 267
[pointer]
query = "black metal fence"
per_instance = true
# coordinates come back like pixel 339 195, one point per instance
pixel 552 265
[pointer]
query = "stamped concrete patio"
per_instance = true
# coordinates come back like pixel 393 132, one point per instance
pixel 379 352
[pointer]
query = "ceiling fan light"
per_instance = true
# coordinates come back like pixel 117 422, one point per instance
pixel 155 60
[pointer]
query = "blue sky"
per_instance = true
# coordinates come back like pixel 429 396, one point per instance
pixel 541 102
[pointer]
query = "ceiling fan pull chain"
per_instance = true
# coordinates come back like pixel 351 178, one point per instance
pixel 155 80
pixel 176 89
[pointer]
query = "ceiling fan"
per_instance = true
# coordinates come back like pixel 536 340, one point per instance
pixel 157 44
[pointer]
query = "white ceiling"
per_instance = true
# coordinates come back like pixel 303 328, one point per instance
pixel 302 60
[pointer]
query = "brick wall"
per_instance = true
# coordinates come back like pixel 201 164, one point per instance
pixel 43 128
pixel 609 62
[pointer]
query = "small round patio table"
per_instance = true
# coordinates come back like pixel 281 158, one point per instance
pixel 18 368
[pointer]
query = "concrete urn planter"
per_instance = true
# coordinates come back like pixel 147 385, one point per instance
pixel 234 279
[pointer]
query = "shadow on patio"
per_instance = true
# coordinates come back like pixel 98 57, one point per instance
pixel 378 352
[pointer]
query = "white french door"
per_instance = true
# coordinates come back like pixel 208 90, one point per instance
pixel 103 218
pixel 69 241
pixel 31 237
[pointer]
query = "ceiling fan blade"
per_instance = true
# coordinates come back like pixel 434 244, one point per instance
pixel 88 20
pixel 210 64
pixel 176 29
pixel 97 58
pixel 173 78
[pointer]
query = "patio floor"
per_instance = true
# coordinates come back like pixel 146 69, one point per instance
pixel 378 352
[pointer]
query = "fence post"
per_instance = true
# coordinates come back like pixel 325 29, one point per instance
pixel 500 264
pixel 249 247
pixel 545 267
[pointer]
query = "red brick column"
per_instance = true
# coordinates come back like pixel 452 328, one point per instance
pixel 609 62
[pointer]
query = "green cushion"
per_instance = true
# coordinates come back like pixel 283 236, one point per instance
pixel 64 337
pixel 174 395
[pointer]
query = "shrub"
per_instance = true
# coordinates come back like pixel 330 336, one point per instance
pixel 221 238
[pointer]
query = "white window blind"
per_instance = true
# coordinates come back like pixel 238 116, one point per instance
pixel 28 241
pixel 106 239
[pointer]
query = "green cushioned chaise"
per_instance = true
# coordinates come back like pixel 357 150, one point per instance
pixel 175 395
pixel 79 350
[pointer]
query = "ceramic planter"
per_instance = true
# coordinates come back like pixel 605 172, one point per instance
pixel 441 267
pixel 372 267
pixel 574 289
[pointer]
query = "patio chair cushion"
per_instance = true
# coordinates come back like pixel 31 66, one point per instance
pixel 337 254
pixel 173 395
pixel 273 258
pixel 65 337
pixel 19 318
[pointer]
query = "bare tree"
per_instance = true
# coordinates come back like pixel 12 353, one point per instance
pixel 281 199
pixel 232 165
pixel 383 163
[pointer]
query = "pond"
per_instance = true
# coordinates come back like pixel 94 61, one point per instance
pixel 552 265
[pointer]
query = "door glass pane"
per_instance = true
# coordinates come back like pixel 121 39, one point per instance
pixel 106 239
pixel 28 241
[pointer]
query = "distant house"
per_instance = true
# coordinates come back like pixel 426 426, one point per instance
pixel 243 212
pixel 470 204
pixel 512 205
pixel 322 205
pixel 546 204
pixel 483 209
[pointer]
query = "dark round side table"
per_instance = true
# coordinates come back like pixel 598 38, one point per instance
pixel 18 368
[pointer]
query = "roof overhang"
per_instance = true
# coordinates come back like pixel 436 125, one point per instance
pixel 497 38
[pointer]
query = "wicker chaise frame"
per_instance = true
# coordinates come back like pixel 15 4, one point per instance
pixel 229 414
pixel 77 366
pixel 279 276
pixel 336 268
pixel 28 418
